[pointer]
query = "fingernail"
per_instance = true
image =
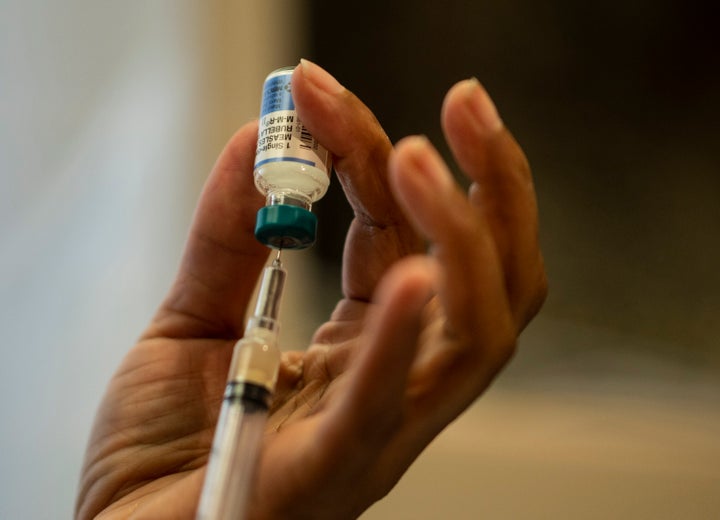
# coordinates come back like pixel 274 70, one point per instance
pixel 291 364
pixel 434 175
pixel 320 77
pixel 481 106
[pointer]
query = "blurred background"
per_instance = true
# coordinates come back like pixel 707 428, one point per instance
pixel 112 114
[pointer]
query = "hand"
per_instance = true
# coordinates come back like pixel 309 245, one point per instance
pixel 415 340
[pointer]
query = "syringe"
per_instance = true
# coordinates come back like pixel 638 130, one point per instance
pixel 239 432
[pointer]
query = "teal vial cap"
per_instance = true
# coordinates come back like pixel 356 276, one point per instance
pixel 283 226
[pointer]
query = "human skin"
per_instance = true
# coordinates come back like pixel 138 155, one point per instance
pixel 418 336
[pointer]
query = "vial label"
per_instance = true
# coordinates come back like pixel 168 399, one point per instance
pixel 281 135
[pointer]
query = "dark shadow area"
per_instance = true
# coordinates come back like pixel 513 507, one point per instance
pixel 617 107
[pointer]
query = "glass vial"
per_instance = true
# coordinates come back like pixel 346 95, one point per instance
pixel 292 169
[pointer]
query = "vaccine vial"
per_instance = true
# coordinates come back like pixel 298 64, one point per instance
pixel 292 169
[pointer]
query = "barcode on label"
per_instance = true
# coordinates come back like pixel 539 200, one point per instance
pixel 306 139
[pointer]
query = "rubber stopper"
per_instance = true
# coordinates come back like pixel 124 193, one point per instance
pixel 285 227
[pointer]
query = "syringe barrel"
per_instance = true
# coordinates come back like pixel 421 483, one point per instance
pixel 239 432
pixel 256 358
pixel 233 460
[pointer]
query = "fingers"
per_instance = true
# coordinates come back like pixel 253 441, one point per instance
pixel 222 259
pixel 371 406
pixel 380 233
pixel 502 190
pixel 472 282
pixel 346 127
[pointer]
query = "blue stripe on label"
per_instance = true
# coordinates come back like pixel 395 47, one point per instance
pixel 289 159
pixel 276 95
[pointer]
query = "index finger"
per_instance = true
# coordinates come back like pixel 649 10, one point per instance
pixel 380 233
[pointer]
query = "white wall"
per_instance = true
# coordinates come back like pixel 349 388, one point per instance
pixel 111 113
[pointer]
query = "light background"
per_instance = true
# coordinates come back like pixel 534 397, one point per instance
pixel 110 117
